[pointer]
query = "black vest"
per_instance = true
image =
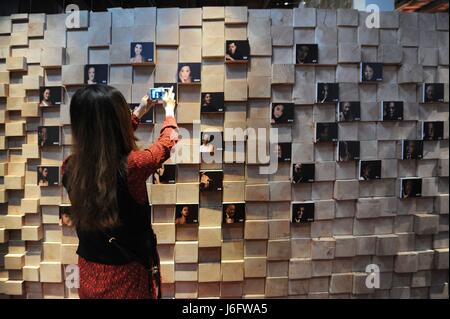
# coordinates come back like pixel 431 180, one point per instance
pixel 134 233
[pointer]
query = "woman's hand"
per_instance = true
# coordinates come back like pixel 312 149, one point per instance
pixel 169 102
pixel 144 107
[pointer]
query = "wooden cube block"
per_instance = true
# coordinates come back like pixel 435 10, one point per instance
pixel 213 13
pixel 30 109
pixel 255 267
pixel 209 272
pixel 30 273
pixel 280 191
pixel 14 261
pixel 163 194
pixel 259 87
pixel 69 254
pixel 30 150
pixel 256 229
pixel 36 29
pixel 4 92
pixel 236 90
pixel 282 35
pixel 29 205
pixel 188 112
pixel 50 271
pixel 3 235
pixel 233 191
pixel 72 74
pixel 232 270
pixel 168 271
pixel 3 195
pixel 14 103
pixel 190 17
pixel 209 237
pixel 210 217
pixel 16 64
pixel 279 249
pixel 233 250
pixel 236 15
pixel 19 39
pixel 13 287
pixel 258 193
pixel 260 46
pixel 15 129
pixel 283 74
pixel 165 233
pixel 167 34
pixel 32 82
pixel 186 252
pixel 213 47
pixel 14 182
pixel 33 233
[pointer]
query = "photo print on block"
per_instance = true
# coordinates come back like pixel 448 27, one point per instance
pixel 306 54
pixel 326 132
pixel 48 175
pixel 371 72
pixel 433 131
pixel 166 174
pixel 213 102
pixel 65 218
pixel 211 143
pixel 302 212
pixel 50 96
pixel 142 52
pixel 148 117
pixel 49 136
pixel 282 113
pixel 237 51
pixel 96 74
pixel 412 149
pixel 410 187
pixel 327 92
pixel 303 173
pixel 186 214
pixel 283 152
pixel 349 111
pixel 369 170
pixel 189 73
pixel 211 180
pixel 432 92
pixel 391 111
pixel 233 213
pixel 348 151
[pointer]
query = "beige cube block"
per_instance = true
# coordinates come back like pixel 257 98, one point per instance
pixel 167 34
pixel 188 193
pixel 119 54
pixel 210 217
pixel 30 273
pixel 53 57
pixel 209 236
pixel 209 272
pixel 15 129
pixel 3 235
pixel 236 15
pixel 36 29
pixel 186 252
pixel 4 90
pixel 232 270
pixel 190 17
pixel 29 205
pixel 280 191
pixel 72 74
pixel 168 271
pixel 33 233
pixel 283 74
pixel 255 267
pixel 3 195
pixel 14 103
pixel 259 87
pixel 213 13
pixel 258 192
pixel 213 82
pixel 16 63
pixel 233 191
pixel 12 287
pixel 30 150
pixel 30 109
pixel 236 90
pixel 69 254
pixel 162 194
pixel 233 250
pixel 213 47
pixel 165 233
pixel 279 249
pixel 50 271
pixel 186 272
pixel 19 38
pixel 14 261
pixel 188 112
pixel 13 221
pixel 32 82
pixel 14 182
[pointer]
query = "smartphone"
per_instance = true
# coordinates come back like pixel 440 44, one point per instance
pixel 156 94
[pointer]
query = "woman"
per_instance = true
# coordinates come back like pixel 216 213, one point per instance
pixel 46 98
pixel 346 114
pixel 43 176
pixel 230 212
pixel 207 103
pixel 105 178
pixel 138 57
pixel 368 73
pixel 207 146
pixel 91 79
pixel 184 76
pixel 302 54
pixel 183 218
pixel 233 53
pixel 43 136
pixel 205 182
pixel 324 94
pixel 278 114
pixel 299 215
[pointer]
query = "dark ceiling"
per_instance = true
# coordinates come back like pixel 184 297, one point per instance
pixel 8 7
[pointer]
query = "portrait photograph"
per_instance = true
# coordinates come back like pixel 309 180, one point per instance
pixel 237 51
pixel 327 92
pixel 412 149
pixel 189 73
pixel 371 72
pixel 96 74
pixel 433 131
pixel 48 175
pixel 306 53
pixel 186 214
pixel 211 142
pixel 348 151
pixel 432 92
pixel 233 213
pixel 392 111
pixel 142 52
pixel 410 187
pixel 49 136
pixel 302 212
pixel 213 102
pixel 369 170
pixel 64 215
pixel 282 113
pixel 148 117
pixel 50 96
pixel 349 111
pixel 211 180
pixel 326 132
pixel 303 173
pixel 166 174
pixel 166 86
pixel 283 152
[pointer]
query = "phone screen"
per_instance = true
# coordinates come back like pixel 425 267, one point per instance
pixel 156 94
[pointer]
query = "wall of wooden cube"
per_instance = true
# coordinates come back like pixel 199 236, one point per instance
pixel 357 223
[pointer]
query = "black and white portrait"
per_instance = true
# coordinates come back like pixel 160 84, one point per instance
pixel 237 51
pixel 326 132
pixel 50 96
pixel 432 92
pixel 186 214
pixel 166 174
pixel 48 175
pixel 282 151
pixel 148 117
pixel 211 143
pixel 49 135
pixel 327 92
pixel 303 173
pixel 306 53
pixel 213 102
pixel 65 217
pixel 412 149
pixel 349 111
pixel 433 131
pixel 233 213
pixel 392 111
pixel 410 187
pixel 348 150
pixel 369 170
pixel 371 72
pixel 302 212
pixel 96 74
pixel 142 52
pixel 211 180
pixel 282 113
pixel 189 73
